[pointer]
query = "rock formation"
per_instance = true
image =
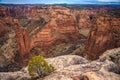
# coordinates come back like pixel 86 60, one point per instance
pixel 57 30
pixel 8 49
pixel 23 40
pixel 112 55
pixel 104 35
pixel 73 67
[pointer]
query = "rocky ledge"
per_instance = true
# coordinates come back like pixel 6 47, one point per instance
pixel 73 67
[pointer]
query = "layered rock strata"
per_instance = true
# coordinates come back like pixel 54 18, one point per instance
pixel 104 35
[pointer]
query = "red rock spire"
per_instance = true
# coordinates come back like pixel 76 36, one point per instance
pixel 23 39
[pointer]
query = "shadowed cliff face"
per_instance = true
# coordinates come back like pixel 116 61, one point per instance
pixel 104 35
pixel 55 30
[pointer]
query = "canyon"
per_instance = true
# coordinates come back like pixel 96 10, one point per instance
pixel 50 31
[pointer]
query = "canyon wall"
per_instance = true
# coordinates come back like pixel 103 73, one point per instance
pixel 56 30
pixel 47 25
pixel 104 35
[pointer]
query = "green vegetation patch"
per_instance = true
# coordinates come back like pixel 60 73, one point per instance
pixel 38 67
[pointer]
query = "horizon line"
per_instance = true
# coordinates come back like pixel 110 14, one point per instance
pixel 107 3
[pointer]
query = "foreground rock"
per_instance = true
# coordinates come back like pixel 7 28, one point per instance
pixel 72 67
pixel 14 76
pixel 91 71
pixel 112 55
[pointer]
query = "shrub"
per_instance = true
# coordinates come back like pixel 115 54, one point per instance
pixel 38 67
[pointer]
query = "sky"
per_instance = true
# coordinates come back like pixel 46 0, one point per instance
pixel 57 1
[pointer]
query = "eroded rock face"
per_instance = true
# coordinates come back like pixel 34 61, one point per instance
pixel 41 29
pixel 104 35
pixel 8 50
pixel 56 30
pixel 46 26
pixel 23 41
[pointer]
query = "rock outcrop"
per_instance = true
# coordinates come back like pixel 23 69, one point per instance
pixel 23 40
pixel 104 35
pixel 73 67
pixel 112 55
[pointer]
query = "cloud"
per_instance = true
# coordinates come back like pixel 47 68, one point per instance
pixel 44 1
pixel 109 0
pixel 56 1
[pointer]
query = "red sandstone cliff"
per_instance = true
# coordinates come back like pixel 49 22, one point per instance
pixel 104 35
pixel 55 30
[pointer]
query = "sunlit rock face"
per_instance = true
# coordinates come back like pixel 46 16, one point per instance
pixel 46 25
pixel 56 30
pixel 104 35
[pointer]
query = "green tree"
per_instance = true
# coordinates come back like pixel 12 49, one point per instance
pixel 38 67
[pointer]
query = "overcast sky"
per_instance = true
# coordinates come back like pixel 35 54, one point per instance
pixel 56 1
pixel 109 0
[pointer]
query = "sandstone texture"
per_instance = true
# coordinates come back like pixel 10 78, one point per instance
pixel 112 55
pixel 73 67
pixel 7 50
pixel 56 30
pixel 46 30
pixel 104 35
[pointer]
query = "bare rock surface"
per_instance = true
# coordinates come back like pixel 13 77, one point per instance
pixel 113 55
pixel 93 71
pixel 66 61
pixel 72 67
pixel 19 75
